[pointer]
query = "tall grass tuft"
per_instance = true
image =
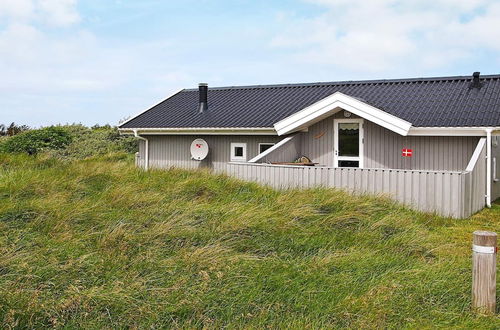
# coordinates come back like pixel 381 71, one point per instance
pixel 97 243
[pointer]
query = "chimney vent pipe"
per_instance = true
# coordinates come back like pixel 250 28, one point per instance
pixel 203 93
pixel 476 81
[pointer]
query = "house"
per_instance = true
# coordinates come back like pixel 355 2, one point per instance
pixel 431 143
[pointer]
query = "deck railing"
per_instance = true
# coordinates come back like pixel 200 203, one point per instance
pixel 475 185
pixel 429 191
pixel 456 194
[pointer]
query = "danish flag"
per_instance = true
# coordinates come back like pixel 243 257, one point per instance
pixel 407 152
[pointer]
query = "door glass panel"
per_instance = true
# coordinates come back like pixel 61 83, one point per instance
pixel 348 135
pixel 348 163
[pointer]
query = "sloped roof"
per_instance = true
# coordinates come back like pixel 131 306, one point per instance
pixel 424 102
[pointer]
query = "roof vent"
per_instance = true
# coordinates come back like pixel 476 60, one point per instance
pixel 476 81
pixel 203 92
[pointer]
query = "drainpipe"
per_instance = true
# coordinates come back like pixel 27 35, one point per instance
pixel 488 167
pixel 146 160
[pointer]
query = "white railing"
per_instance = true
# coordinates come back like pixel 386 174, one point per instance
pixel 430 191
pixel 475 185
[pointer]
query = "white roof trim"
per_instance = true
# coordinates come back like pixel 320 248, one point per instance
pixel 140 113
pixel 452 131
pixel 201 130
pixel 333 103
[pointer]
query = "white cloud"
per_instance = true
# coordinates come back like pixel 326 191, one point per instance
pixel 16 9
pixel 34 62
pixel 69 74
pixel 53 12
pixel 380 35
pixel 37 61
pixel 59 12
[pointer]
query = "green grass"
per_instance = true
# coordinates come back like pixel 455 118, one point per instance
pixel 97 243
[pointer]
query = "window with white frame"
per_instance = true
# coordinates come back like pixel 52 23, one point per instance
pixel 264 146
pixel 238 152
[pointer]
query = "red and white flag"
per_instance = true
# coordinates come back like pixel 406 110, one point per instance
pixel 407 152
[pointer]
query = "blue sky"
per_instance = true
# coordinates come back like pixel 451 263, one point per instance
pixel 98 61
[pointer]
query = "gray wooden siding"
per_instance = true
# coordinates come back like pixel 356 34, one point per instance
pixel 495 186
pixel 449 193
pixel 285 153
pixel 429 191
pixel 476 185
pixel 174 150
pixel 438 153
pixel 317 143
pixel 382 148
pixel 140 159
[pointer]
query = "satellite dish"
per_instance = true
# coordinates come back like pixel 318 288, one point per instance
pixel 199 149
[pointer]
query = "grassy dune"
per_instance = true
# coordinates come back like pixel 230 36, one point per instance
pixel 97 243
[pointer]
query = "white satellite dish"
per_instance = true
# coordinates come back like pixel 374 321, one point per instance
pixel 199 149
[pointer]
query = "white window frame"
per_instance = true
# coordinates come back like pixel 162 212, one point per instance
pixel 336 157
pixel 265 143
pixel 235 158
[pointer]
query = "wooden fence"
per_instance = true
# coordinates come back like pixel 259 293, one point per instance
pixel 443 193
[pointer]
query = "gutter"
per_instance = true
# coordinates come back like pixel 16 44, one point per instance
pixel 201 131
pixel 146 160
pixel 488 166
pixel 450 131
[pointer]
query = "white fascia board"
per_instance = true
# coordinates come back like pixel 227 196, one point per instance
pixel 331 104
pixel 201 131
pixel 147 109
pixel 452 131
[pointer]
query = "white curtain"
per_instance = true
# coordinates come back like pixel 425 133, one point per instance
pixel 349 126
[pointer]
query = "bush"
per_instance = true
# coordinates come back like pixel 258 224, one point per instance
pixel 12 129
pixel 95 141
pixel 36 141
pixel 70 142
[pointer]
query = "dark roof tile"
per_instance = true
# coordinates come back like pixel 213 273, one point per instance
pixel 425 102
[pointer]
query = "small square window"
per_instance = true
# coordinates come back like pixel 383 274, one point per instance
pixel 264 146
pixel 238 152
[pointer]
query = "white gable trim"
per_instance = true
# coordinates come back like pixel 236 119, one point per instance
pixel 333 104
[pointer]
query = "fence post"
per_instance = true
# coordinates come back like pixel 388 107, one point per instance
pixel 484 252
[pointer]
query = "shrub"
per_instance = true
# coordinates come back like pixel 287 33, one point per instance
pixel 12 129
pixel 95 141
pixel 70 142
pixel 36 141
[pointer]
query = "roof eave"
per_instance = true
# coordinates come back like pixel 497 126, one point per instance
pixel 200 131
pixel 453 131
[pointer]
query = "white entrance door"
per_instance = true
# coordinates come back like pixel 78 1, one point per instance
pixel 348 142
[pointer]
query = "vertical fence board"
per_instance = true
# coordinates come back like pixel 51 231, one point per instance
pixel 446 193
